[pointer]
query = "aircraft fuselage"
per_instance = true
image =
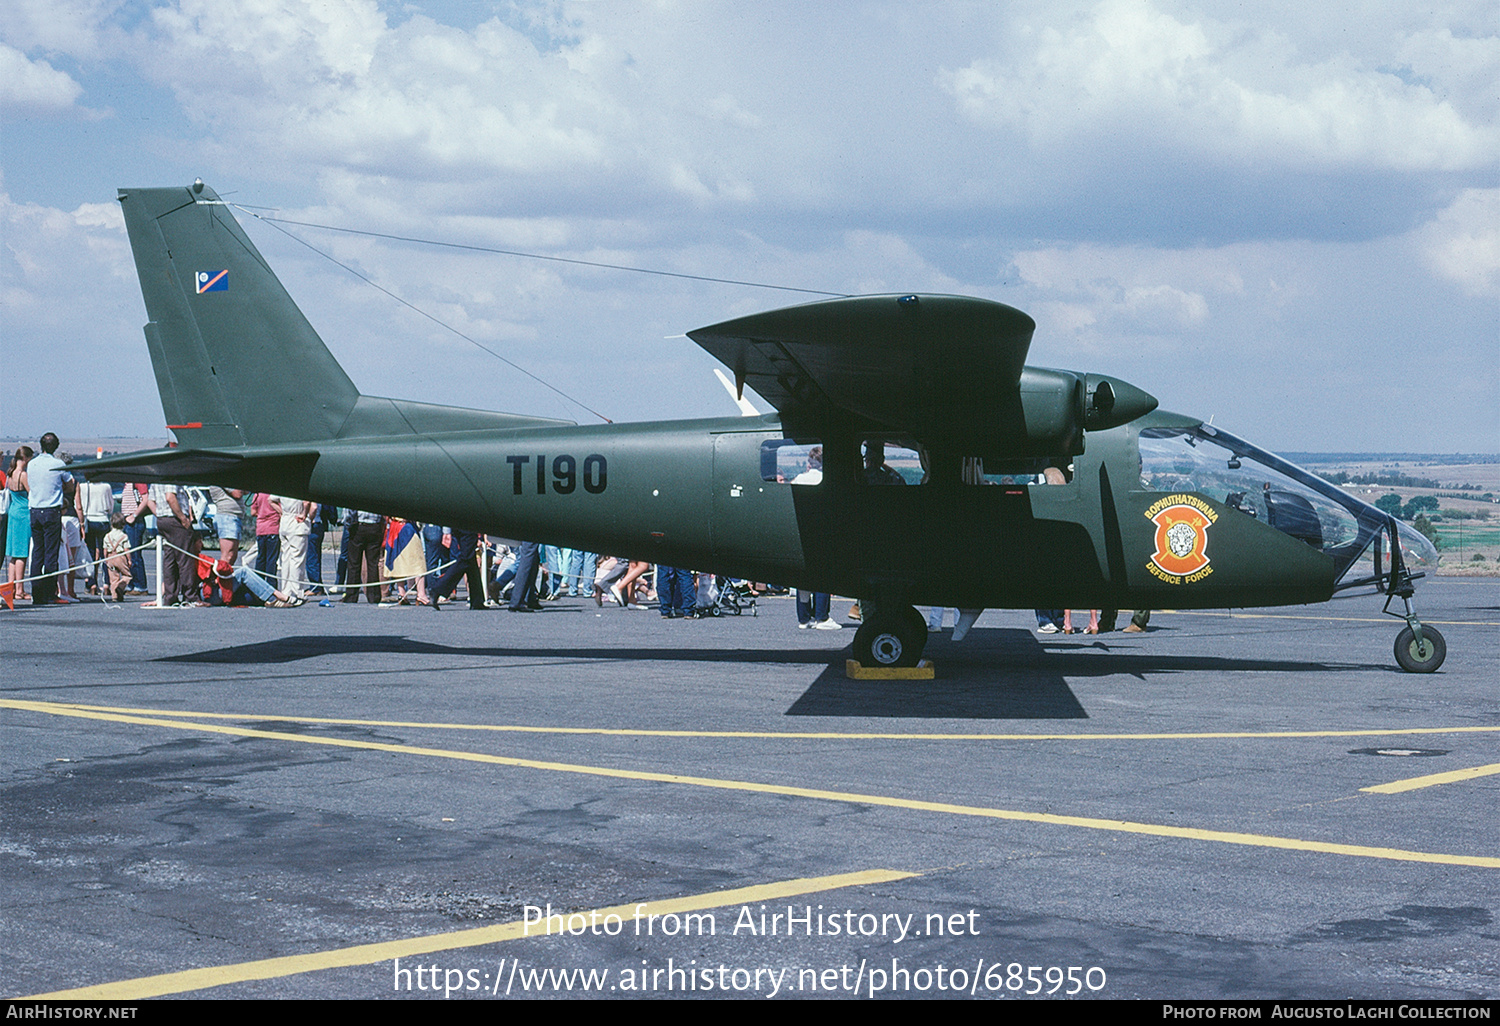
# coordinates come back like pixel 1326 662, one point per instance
pixel 694 494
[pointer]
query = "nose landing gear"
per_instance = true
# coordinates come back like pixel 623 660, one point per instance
pixel 1420 648
pixel 1420 653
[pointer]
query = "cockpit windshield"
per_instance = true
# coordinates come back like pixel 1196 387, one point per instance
pixel 1201 458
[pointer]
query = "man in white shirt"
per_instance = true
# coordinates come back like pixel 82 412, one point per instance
pixel 174 522
pixel 95 504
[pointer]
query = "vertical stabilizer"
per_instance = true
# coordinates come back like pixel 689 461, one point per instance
pixel 235 360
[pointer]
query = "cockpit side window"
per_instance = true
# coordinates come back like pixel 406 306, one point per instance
pixel 1212 462
pixel 1188 460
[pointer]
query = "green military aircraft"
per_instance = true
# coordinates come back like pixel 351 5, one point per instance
pixel 913 459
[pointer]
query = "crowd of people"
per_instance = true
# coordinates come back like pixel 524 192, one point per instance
pixel 44 512
pixel 64 534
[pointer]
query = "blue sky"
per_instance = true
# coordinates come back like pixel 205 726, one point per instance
pixel 1286 218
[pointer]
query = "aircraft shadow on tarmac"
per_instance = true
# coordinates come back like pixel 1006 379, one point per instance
pixel 1010 674
pixel 309 646
pixel 994 674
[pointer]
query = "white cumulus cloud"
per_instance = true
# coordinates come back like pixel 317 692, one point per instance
pixel 1463 242
pixel 1149 80
pixel 32 86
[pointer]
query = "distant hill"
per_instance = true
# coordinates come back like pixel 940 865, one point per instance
pixel 85 448
pixel 1425 459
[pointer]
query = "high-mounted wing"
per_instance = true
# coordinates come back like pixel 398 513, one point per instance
pixel 947 370
pixel 895 362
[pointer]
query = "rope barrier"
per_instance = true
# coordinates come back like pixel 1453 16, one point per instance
pixel 86 565
pixel 301 585
pixel 319 584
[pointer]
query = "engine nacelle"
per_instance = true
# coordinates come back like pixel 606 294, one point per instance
pixel 1056 407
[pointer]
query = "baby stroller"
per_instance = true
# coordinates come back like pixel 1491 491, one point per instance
pixel 734 597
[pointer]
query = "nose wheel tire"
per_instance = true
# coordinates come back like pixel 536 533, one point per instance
pixel 895 640
pixel 1424 657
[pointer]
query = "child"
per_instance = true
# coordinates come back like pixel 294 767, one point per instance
pixel 117 557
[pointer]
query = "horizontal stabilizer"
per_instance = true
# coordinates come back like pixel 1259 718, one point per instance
pixel 262 470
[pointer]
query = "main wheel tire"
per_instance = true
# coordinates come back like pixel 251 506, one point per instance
pixel 1423 658
pixel 887 642
pixel 918 624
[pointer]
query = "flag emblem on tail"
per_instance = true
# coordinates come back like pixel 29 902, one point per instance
pixel 212 281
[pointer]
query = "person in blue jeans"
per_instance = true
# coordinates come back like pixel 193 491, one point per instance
pixel 320 524
pixel 237 584
pixel 676 595
pixel 580 575
pixel 812 609
pixel 1049 621
pixel 523 598
pixel 437 552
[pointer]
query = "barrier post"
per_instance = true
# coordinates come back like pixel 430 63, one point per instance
pixel 159 595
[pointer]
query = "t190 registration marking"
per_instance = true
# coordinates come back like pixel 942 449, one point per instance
pixel 565 474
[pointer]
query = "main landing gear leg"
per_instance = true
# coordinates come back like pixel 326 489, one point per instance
pixel 891 634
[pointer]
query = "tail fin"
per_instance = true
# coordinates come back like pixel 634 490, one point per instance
pixel 236 362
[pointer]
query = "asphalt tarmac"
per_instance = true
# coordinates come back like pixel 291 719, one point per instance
pixel 358 802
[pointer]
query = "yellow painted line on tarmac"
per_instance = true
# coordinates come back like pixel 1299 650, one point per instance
pixel 1340 619
pixel 888 801
pixel 1433 779
pixel 771 734
pixel 369 954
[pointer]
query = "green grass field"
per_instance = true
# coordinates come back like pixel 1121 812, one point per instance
pixel 1461 539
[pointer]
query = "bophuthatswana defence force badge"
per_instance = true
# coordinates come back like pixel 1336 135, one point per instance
pixel 1182 523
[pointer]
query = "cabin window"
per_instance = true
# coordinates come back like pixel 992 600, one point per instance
pixel 785 461
pixel 1024 471
pixel 892 461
